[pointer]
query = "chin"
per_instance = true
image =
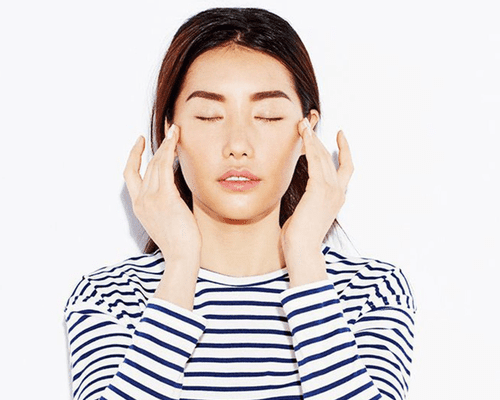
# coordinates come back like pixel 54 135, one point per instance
pixel 238 211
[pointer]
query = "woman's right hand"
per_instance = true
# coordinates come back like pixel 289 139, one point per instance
pixel 157 203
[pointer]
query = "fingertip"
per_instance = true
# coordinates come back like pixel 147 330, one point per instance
pixel 138 145
pixel 303 127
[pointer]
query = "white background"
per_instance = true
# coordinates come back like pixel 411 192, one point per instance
pixel 415 87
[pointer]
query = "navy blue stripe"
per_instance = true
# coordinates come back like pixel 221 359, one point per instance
pixel 252 360
pixel 376 357
pixel 330 351
pixel 315 323
pixel 238 331
pixel 95 371
pixel 329 369
pixel 161 343
pixel 377 377
pixel 385 338
pixel 245 345
pixel 218 389
pixel 354 393
pixel 89 329
pixel 144 388
pixel 156 358
pixel 238 374
pixel 238 317
pixel 176 315
pixel 78 322
pixel 84 312
pixel 120 393
pixel 133 292
pixel 237 289
pixel 386 349
pixel 108 356
pixel 312 307
pixel 305 293
pixel 100 379
pixel 322 338
pixel 96 350
pixel 96 338
pixel 152 374
pixel 335 384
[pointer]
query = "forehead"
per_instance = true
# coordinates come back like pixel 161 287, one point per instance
pixel 237 68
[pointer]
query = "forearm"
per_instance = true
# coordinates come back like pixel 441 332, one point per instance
pixel 109 359
pixel 361 347
pixel 178 283
pixel 325 347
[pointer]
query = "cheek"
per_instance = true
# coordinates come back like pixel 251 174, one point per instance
pixel 286 159
pixel 190 158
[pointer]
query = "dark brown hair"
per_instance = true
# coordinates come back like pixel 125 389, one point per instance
pixel 254 28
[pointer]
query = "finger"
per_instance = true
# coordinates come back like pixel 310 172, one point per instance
pixel 329 170
pixel 150 181
pixel 166 162
pixel 314 164
pixel 131 173
pixel 346 166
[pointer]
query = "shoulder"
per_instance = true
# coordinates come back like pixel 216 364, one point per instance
pixel 121 288
pixel 140 270
pixel 375 281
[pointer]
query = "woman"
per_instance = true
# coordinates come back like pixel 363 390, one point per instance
pixel 236 296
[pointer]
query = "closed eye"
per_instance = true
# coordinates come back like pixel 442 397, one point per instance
pixel 213 119
pixel 269 119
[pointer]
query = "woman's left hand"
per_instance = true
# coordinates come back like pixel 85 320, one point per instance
pixel 325 193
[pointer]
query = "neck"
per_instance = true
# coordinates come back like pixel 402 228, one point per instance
pixel 240 247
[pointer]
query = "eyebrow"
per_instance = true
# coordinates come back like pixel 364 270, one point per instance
pixel 271 94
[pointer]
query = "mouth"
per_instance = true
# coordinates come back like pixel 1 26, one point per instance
pixel 239 181
pixel 238 176
pixel 239 186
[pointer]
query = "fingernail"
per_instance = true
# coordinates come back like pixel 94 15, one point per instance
pixel 138 140
pixel 170 131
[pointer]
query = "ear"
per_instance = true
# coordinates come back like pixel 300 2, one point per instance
pixel 313 118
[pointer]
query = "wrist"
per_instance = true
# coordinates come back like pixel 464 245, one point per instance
pixel 305 267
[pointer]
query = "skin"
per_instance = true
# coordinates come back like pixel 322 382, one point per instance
pixel 238 232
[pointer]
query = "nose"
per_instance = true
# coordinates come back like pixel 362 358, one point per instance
pixel 238 138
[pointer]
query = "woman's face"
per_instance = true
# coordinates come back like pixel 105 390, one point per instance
pixel 238 110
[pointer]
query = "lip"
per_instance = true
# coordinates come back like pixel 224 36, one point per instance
pixel 244 172
pixel 239 186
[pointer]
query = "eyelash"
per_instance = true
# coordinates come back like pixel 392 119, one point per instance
pixel 213 119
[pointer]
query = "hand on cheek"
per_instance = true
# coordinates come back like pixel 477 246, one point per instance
pixel 324 196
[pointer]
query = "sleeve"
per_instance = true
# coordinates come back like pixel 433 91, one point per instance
pixel 368 358
pixel 109 360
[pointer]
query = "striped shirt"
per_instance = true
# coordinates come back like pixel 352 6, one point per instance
pixel 346 337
